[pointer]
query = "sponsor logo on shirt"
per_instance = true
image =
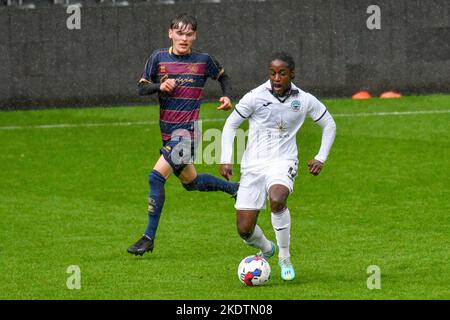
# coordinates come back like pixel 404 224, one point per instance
pixel 281 124
pixel 181 81
pixel 193 68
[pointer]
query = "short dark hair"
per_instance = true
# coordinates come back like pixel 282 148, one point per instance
pixel 182 21
pixel 284 56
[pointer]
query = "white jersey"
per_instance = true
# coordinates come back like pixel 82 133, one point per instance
pixel 273 125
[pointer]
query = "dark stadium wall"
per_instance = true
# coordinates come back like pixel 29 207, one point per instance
pixel 43 63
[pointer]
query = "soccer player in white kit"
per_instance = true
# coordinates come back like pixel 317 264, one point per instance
pixel 276 111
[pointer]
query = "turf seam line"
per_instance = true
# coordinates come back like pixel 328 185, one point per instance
pixel 132 123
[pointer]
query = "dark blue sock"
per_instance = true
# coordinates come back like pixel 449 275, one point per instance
pixel 207 182
pixel 155 202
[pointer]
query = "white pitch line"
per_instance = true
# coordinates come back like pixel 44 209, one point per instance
pixel 393 113
pixel 133 123
pixel 79 125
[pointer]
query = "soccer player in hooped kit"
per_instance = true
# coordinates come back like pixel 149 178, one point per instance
pixel 178 74
pixel 276 111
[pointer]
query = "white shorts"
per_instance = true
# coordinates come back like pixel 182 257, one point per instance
pixel 255 183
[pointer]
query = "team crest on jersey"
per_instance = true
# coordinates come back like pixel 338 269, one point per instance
pixel 193 68
pixel 295 105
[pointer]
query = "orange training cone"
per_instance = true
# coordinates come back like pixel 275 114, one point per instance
pixel 361 95
pixel 390 95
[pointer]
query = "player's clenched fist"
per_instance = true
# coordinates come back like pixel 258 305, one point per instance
pixel 168 85
pixel 226 171
pixel 315 166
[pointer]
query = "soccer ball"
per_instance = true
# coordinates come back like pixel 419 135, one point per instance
pixel 254 271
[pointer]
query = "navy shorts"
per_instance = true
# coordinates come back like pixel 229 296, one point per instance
pixel 178 152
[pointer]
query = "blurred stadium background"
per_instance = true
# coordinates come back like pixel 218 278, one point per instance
pixel 46 64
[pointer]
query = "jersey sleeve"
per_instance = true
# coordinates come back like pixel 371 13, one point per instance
pixel 316 109
pixel 328 134
pixel 213 68
pixel 246 106
pixel 150 70
pixel 228 133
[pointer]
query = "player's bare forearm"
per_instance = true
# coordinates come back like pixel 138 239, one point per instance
pixel 225 104
pixel 226 170
pixel 315 166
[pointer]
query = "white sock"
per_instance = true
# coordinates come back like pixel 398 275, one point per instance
pixel 259 240
pixel 281 223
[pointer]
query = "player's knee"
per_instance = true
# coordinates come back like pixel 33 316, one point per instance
pixel 277 204
pixel 191 186
pixel 278 195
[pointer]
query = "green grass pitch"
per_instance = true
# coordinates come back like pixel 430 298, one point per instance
pixel 73 191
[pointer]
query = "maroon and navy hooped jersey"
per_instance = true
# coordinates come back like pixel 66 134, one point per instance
pixel 180 108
